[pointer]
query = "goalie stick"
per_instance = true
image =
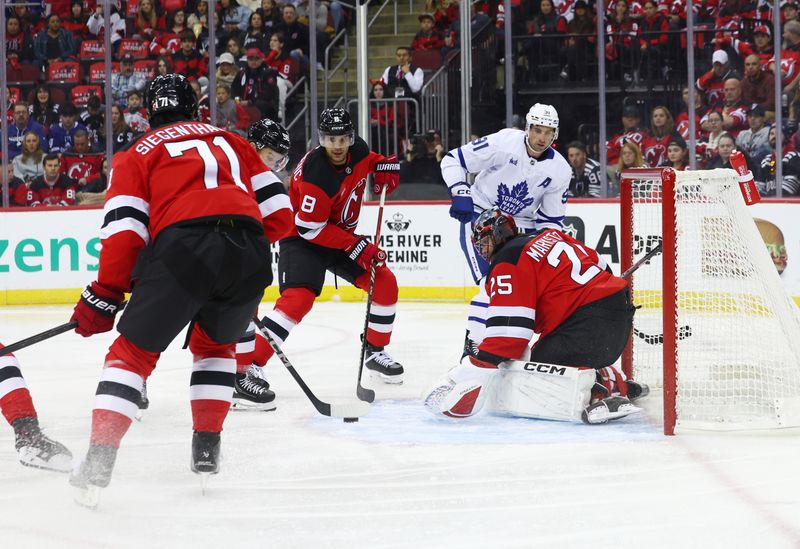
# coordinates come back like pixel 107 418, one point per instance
pixel 653 339
pixel 344 410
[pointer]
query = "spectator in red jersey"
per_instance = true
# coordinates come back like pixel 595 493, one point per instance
pixel 83 159
pixel 257 85
pixel 126 80
pixel 230 115
pixel 428 37
pixel 75 21
pixel 43 109
pixel 758 86
pixel 286 67
pixel 19 43
pixel 17 188
pixel 712 82
pixel 54 43
pixel 147 21
pixel 621 49
pixel 28 164
pixel 188 61
pixel 444 12
pixel 255 37
pixel 381 118
pixel 761 46
pixel 677 156
pixel 52 188
pixel 96 184
pixel 654 146
pixel 631 133
pixel 653 42
pixel 734 110
pixel 168 41
pixel 682 120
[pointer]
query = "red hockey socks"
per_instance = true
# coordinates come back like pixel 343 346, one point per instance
pixel 15 399
pixel 384 303
pixel 211 385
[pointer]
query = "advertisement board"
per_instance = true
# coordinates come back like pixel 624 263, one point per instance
pixel 47 256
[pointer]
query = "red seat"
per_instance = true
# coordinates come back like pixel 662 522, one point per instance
pixel 23 74
pixel 427 60
pixel 64 72
pixel 79 95
pixel 92 50
pixel 97 72
pixel 145 67
pixel 135 48
pixel 14 94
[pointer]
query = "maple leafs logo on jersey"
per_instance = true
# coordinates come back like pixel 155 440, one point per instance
pixel 515 200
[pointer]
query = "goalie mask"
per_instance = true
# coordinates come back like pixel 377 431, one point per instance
pixel 541 115
pixel 271 140
pixel 492 229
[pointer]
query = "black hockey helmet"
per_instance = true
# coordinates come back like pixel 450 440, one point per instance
pixel 492 229
pixel 334 122
pixel 171 93
pixel 268 133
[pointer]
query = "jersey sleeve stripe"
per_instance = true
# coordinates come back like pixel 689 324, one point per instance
pixel 272 205
pixel 513 321
pixel 265 193
pixel 126 212
pixel 505 311
pixel 544 218
pixel 264 179
pixel 308 229
pixel 126 224
pixel 126 200
pixel 461 159
pixel 515 332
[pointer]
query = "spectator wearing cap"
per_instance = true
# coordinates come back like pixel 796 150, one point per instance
pixel 712 83
pixel 788 11
pixel 125 81
pixel 653 42
pixel 53 43
pixel 631 133
pixel 656 139
pixel 188 61
pixel 586 175
pixel 761 45
pixel 754 141
pixel 758 86
pixel 428 37
pixel 60 135
pixel 677 156
pixel 22 124
pixel 257 85
pixel 227 69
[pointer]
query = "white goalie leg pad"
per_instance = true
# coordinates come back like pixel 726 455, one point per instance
pixel 542 391
pixel 462 392
pixel 478 307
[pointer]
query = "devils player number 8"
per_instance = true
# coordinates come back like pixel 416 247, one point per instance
pixel 211 165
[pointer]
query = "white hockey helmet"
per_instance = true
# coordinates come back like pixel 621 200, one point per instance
pixel 542 115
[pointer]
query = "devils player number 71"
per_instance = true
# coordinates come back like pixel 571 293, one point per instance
pixel 211 165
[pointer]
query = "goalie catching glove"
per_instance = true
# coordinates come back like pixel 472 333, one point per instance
pixel 96 309
pixel 364 252
pixel 387 174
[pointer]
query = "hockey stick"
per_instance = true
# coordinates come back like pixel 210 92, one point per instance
pixel 368 395
pixel 349 410
pixel 47 334
pixel 654 339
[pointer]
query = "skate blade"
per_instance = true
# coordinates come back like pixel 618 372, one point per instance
pixel 88 497
pixel 139 415
pixel 239 406
pixel 57 464
pixel 204 482
pixel 389 380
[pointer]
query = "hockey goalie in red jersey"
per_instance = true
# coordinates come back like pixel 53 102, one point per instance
pixel 34 448
pixel 552 285
pixel 326 192
pixel 189 214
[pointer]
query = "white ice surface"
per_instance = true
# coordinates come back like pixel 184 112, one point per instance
pixel 399 477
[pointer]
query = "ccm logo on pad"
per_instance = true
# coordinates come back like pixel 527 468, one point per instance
pixel 545 368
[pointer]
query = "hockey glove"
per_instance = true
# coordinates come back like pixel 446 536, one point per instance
pixel 96 309
pixel 387 174
pixel 364 252
pixel 461 207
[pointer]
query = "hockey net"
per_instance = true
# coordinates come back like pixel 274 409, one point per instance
pixel 716 328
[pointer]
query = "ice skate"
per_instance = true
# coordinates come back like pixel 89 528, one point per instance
pixel 470 347
pixel 144 403
pixel 37 450
pixel 607 409
pixel 205 456
pixel 637 390
pixel 383 365
pixel 93 474
pixel 251 391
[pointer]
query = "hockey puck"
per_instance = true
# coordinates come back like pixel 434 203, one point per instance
pixel 350 419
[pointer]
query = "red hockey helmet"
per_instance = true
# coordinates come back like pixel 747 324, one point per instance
pixel 492 229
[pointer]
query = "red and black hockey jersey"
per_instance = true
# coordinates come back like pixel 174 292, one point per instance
pixel 59 193
pixel 327 199
pixel 181 172
pixel 534 284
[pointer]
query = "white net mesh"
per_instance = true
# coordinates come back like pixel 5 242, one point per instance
pixel 738 348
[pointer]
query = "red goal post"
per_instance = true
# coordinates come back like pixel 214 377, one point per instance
pixel 716 330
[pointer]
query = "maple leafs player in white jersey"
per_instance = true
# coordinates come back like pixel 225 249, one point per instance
pixel 520 173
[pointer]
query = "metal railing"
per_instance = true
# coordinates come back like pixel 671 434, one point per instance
pixel 390 122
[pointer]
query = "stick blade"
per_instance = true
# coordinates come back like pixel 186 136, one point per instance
pixel 364 394
pixel 355 408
